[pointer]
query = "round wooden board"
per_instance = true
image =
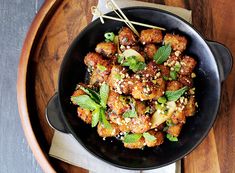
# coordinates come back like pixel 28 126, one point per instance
pixel 53 29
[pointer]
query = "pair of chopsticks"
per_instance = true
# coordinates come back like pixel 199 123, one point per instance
pixel 122 17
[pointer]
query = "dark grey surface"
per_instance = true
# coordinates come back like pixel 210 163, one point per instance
pixel 15 19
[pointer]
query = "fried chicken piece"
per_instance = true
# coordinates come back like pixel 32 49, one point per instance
pixel 173 86
pixel 150 71
pixel 140 124
pixel 190 108
pixel 187 65
pixel 186 80
pixel 85 115
pixel 148 90
pixel 127 37
pixel 92 59
pixel 159 138
pixel 120 81
pixel 165 71
pixel 107 49
pixel 108 132
pixel 150 50
pixel 135 145
pixel 177 42
pixel 124 125
pixel 140 107
pixel 175 130
pixel 100 68
pixel 116 103
pixel 178 117
pixel 151 36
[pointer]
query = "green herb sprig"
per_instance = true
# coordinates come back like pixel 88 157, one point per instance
pixel 94 102
pixel 133 63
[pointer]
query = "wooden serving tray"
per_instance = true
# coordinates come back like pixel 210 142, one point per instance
pixel 53 29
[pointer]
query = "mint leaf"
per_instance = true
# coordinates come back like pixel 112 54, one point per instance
pixel 103 119
pixel 131 138
pixel 85 102
pixel 94 95
pixel 162 54
pixel 130 114
pixel 171 138
pixel 109 36
pixel 101 67
pixel 149 137
pixel 104 93
pixel 95 117
pixel 175 95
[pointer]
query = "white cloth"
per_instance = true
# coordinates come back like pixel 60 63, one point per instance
pixel 64 147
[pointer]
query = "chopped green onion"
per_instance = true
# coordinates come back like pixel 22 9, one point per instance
pixel 177 67
pixel 173 75
pixel 162 100
pixel 171 138
pixel 109 36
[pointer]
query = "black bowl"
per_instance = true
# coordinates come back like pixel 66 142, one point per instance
pixel 214 64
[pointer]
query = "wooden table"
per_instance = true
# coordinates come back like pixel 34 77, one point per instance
pixel 216 21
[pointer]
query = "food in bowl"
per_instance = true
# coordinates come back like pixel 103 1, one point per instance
pixel 140 90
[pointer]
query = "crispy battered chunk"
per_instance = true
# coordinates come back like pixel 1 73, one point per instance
pixel 97 77
pixel 151 36
pixel 165 71
pixel 187 65
pixel 186 80
pixel 178 117
pixel 173 86
pixel 150 71
pixel 148 90
pixel 116 103
pixel 190 108
pixel 108 132
pixel 107 49
pixel 177 42
pixel 172 60
pixel 158 141
pixel 140 124
pixel 127 37
pixel 175 130
pixel 85 115
pixel 78 93
pixel 120 81
pixel 100 68
pixel 92 59
pixel 150 50
pixel 140 107
pixel 124 126
pixel 135 145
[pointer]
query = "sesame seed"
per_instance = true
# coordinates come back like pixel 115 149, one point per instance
pixel 193 75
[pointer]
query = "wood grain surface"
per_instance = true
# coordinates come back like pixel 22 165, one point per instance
pixel 214 19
